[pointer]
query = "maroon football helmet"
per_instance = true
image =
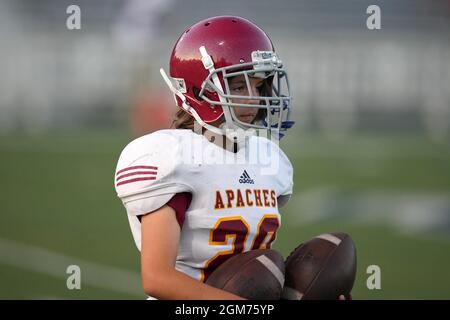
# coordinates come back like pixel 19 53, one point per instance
pixel 211 52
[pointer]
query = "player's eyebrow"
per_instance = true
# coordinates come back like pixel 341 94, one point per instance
pixel 237 82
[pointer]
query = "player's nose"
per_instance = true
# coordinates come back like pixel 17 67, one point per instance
pixel 254 92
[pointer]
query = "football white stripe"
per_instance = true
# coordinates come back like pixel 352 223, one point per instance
pixel 272 267
pixel 291 294
pixel 330 238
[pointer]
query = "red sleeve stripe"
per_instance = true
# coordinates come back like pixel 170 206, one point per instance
pixel 134 180
pixel 137 167
pixel 135 173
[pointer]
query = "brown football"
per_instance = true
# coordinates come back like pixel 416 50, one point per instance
pixel 322 268
pixel 255 275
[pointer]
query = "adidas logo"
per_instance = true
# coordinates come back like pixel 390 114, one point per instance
pixel 245 178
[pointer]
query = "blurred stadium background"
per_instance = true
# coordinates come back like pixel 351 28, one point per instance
pixel 370 147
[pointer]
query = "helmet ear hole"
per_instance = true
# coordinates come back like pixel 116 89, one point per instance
pixel 196 92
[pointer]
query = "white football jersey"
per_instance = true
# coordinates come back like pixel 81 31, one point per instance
pixel 235 196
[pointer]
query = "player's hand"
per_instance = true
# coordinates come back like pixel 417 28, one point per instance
pixel 342 297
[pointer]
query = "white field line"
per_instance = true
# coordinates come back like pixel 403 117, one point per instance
pixel 54 264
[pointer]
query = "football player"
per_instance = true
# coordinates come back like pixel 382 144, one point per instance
pixel 211 186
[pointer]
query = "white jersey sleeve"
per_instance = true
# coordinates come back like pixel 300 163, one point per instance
pixel 147 174
pixel 285 178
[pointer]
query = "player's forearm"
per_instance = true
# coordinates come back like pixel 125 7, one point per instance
pixel 175 285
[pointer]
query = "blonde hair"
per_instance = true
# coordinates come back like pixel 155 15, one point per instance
pixel 183 120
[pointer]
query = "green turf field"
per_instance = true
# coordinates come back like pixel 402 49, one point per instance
pixel 58 205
